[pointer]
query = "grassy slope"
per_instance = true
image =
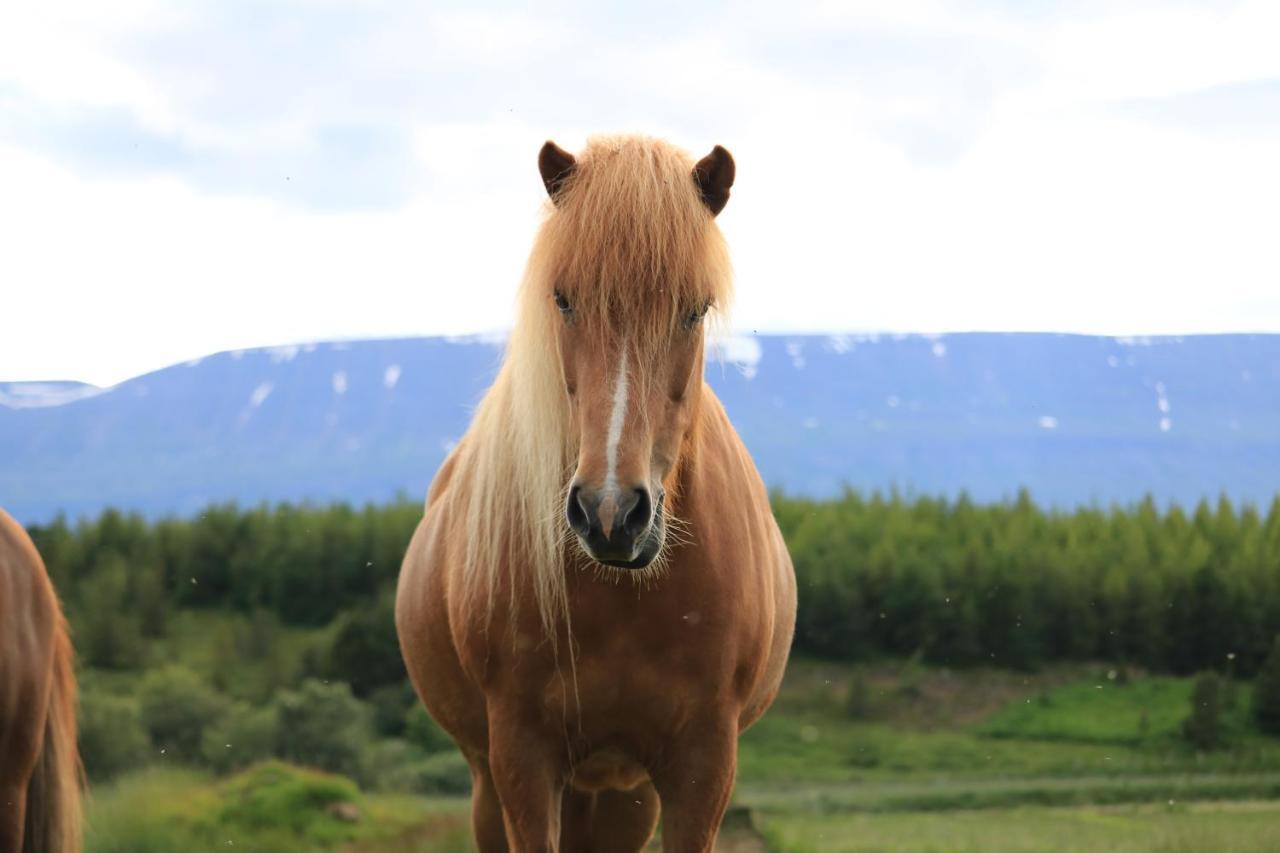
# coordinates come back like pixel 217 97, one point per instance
pixel 272 808
pixel 819 775
pixel 928 739
pixel 1244 827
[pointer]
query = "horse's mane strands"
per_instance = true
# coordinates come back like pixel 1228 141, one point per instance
pixel 631 244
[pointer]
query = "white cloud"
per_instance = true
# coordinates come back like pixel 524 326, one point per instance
pixel 902 167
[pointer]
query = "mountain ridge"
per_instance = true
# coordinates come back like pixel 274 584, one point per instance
pixel 1075 419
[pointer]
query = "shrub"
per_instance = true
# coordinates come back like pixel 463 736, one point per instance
pixel 177 707
pixel 322 725
pixel 111 736
pixel 857 702
pixel 149 811
pixel 386 763
pixel 424 733
pixel 391 705
pixel 1266 692
pixel 274 795
pixel 365 652
pixel 242 737
pixel 445 774
pixel 1204 726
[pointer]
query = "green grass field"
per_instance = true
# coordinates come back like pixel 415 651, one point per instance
pixel 1238 827
pixel 888 757
pixel 272 808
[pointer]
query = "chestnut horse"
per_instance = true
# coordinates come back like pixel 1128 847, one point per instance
pixel 39 764
pixel 597 600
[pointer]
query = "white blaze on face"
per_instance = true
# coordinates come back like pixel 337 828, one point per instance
pixel 617 419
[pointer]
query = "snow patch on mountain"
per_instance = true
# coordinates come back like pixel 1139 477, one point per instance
pixel 40 395
pixel 280 355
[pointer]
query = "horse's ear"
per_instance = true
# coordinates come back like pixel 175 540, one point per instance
pixel 714 176
pixel 556 165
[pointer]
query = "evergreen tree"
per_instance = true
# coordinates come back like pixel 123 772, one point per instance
pixel 1204 725
pixel 1266 692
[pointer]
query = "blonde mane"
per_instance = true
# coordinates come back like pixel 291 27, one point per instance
pixel 631 241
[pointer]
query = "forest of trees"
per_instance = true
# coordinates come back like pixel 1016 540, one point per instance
pixel 956 582
pixel 1014 585
pixel 246 634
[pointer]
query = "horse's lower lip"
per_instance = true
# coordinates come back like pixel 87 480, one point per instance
pixel 634 560
pixel 638 563
pixel 644 553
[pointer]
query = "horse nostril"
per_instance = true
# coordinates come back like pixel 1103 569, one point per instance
pixel 636 520
pixel 579 519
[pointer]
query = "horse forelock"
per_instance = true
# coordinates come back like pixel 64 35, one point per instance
pixel 631 243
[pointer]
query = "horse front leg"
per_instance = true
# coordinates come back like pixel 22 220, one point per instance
pixel 694 785
pixel 528 777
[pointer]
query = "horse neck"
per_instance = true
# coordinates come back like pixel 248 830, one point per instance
pixel 705 432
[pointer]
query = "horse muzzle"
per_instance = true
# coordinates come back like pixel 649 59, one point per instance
pixel 618 527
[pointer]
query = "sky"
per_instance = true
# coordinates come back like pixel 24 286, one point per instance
pixel 183 178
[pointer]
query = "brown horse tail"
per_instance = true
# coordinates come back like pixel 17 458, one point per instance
pixel 53 795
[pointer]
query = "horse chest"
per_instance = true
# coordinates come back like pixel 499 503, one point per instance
pixel 619 708
pixel 646 668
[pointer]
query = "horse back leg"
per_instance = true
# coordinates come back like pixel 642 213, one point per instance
pixel 611 821
pixel 13 815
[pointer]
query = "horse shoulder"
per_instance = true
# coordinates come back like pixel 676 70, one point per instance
pixel 429 622
pixel 764 575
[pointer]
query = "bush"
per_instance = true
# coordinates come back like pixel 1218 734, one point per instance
pixel 322 725
pixel 365 652
pixel 444 774
pixel 244 736
pixel 386 765
pixel 149 811
pixel 391 705
pixel 111 736
pixel 177 707
pixel 1204 727
pixel 424 733
pixel 276 796
pixel 857 702
pixel 1266 692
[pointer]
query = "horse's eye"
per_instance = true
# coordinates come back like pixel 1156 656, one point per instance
pixel 563 304
pixel 695 316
